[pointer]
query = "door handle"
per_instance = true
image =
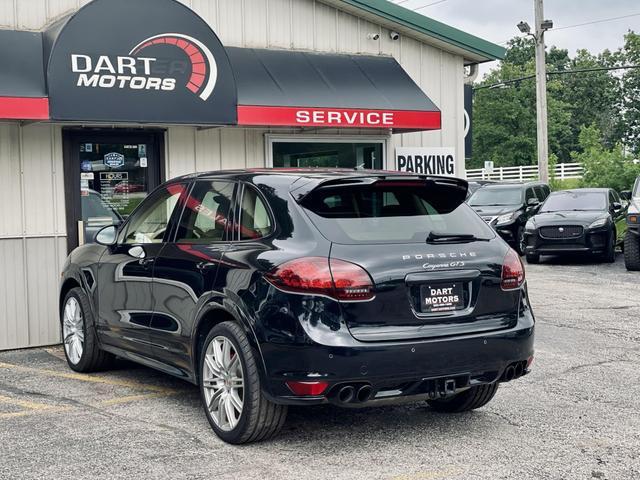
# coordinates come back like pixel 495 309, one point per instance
pixel 202 266
pixel 145 262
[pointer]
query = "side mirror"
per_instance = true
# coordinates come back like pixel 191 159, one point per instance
pixel 625 195
pixel 616 206
pixel 137 252
pixel 532 202
pixel 107 236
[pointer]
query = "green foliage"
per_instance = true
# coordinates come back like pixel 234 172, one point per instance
pixel 566 184
pixel 607 101
pixel 604 167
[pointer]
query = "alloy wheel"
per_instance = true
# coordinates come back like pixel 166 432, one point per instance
pixel 73 330
pixel 223 383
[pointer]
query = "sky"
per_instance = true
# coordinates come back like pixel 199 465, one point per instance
pixel 495 20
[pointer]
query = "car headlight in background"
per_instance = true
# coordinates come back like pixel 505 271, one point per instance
pixel 530 226
pixel 601 222
pixel 506 218
pixel 633 219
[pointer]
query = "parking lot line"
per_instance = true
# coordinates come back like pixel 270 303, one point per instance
pixel 88 378
pixel 28 408
pixel 135 398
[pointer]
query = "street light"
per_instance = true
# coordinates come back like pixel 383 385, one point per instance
pixel 542 26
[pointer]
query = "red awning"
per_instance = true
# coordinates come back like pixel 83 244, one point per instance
pixel 302 89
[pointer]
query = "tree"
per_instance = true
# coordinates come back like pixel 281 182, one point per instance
pixel 504 127
pixel 629 126
pixel 604 167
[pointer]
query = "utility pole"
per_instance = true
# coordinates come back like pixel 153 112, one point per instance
pixel 541 92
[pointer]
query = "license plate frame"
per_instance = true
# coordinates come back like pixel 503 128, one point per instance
pixel 442 297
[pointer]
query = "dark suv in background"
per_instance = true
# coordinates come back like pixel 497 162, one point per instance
pixel 583 221
pixel 508 206
pixel 271 288
pixel 632 236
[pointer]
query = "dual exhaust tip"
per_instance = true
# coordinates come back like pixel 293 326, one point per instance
pixel 513 371
pixel 354 393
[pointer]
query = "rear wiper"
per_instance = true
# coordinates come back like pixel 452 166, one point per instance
pixel 435 237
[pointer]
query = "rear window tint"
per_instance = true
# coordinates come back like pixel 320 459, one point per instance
pixel 392 213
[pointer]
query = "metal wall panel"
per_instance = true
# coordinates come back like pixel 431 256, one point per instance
pixel 302 15
pixel 44 259
pixel 14 327
pixel 7 14
pixel 32 233
pixel 255 24
pixel 10 193
pixel 279 23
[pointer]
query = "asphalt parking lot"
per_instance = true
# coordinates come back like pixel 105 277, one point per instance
pixel 576 416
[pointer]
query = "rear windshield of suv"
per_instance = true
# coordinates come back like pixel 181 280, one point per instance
pixel 496 196
pixel 390 213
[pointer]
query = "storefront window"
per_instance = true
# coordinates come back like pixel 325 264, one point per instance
pixel 293 154
pixel 113 181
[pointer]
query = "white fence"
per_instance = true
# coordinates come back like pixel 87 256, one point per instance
pixel 526 172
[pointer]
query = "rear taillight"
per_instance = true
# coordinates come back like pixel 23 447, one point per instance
pixel 307 388
pixel 512 271
pixel 344 281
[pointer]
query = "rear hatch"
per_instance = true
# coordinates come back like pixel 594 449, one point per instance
pixel 436 267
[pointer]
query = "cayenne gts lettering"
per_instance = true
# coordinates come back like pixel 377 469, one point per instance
pixel 137 72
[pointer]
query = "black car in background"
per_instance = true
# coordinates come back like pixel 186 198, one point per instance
pixel 508 206
pixel 474 185
pixel 271 288
pixel 632 237
pixel 585 220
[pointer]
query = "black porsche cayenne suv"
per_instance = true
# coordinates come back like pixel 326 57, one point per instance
pixel 271 288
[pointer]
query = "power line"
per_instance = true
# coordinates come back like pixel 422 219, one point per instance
pixel 596 21
pixel 423 6
pixel 593 22
pixel 429 5
pixel 557 72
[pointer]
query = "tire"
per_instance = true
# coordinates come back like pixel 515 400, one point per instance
pixel 632 252
pixel 258 419
pixel 609 255
pixel 471 399
pixel 533 258
pixel 77 325
pixel 520 241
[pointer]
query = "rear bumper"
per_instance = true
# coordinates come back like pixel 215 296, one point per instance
pixel 590 242
pixel 399 369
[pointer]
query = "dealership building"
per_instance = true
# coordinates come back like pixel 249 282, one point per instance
pixel 101 101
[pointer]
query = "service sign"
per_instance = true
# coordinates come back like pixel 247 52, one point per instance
pixel 427 160
pixel 142 61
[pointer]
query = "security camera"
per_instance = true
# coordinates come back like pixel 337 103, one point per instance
pixel 394 35
pixel 373 36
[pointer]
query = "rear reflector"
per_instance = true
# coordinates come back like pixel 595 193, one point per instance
pixel 307 388
pixel 512 271
pixel 338 279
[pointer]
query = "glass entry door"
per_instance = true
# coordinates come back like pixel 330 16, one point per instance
pixel 112 174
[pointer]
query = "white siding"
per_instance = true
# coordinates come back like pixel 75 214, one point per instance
pixel 32 234
pixel 33 231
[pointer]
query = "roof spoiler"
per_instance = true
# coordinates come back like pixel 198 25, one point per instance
pixel 301 189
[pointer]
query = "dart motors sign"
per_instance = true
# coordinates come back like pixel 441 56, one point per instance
pixel 143 61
